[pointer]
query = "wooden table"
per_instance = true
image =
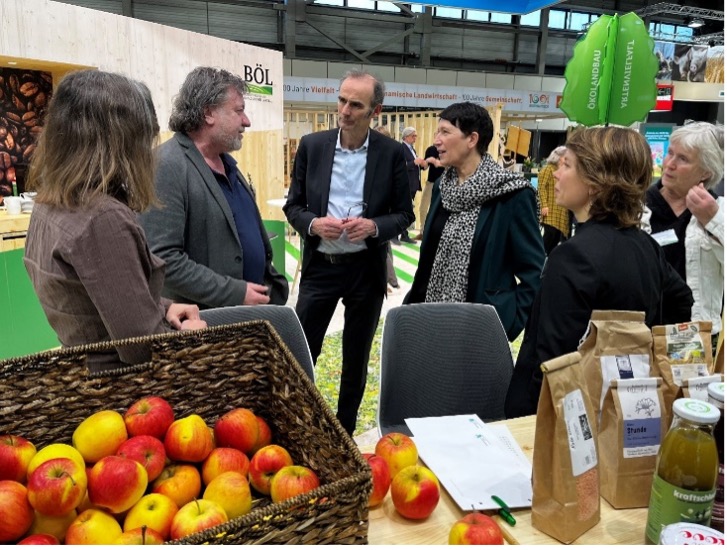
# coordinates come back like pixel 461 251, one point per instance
pixel 13 229
pixel 386 526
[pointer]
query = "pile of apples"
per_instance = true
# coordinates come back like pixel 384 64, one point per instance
pixel 137 478
pixel 414 488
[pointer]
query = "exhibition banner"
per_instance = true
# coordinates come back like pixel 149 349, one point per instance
pixel 424 96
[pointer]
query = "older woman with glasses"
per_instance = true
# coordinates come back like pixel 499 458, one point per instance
pixel 687 218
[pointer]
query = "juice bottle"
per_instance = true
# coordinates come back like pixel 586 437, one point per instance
pixel 716 398
pixel 686 469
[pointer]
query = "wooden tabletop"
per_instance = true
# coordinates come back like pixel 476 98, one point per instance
pixel 14 223
pixel 386 526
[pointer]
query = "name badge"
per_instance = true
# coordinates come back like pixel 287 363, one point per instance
pixel 665 238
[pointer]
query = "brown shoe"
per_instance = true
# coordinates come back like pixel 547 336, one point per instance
pixel 418 237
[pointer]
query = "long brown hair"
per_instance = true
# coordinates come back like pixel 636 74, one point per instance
pixel 97 140
pixel 616 164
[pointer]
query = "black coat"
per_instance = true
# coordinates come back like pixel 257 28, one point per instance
pixel 412 170
pixel 601 267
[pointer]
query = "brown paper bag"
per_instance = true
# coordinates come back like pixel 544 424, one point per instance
pixel 696 387
pixel 566 500
pixel 633 424
pixel 680 352
pixel 617 345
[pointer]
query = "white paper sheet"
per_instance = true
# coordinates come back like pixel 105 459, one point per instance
pixel 474 461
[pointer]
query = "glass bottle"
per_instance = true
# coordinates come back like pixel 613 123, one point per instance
pixel 716 398
pixel 684 482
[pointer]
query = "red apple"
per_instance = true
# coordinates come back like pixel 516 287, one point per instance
pixel 154 510
pixel 149 416
pixel 16 515
pixel 188 439
pixel 292 481
pixel 264 435
pixel 15 454
pixel 180 482
pixel 398 450
pixel 381 478
pixel 231 491
pixel 475 528
pixel 147 451
pixel 52 525
pixel 39 539
pixel 415 492
pixel 237 429
pixel 93 527
pixel 116 483
pixel 57 486
pixel 224 459
pixel 265 464
pixel 100 435
pixel 140 536
pixel 196 516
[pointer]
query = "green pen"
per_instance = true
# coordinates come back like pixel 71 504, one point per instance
pixel 504 510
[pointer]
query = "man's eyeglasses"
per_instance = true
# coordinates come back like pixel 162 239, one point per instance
pixel 361 204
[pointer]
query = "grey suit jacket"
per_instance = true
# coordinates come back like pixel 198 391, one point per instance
pixel 386 191
pixel 194 233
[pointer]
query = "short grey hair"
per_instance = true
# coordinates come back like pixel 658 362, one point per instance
pixel 379 88
pixel 556 154
pixel 707 141
pixel 409 130
pixel 203 88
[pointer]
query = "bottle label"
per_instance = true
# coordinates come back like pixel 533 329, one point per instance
pixel 580 435
pixel 671 504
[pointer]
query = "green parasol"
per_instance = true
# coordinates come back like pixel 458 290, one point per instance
pixel 611 77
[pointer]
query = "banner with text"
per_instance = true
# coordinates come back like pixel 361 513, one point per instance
pixel 424 96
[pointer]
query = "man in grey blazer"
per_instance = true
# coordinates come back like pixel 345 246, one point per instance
pixel 348 196
pixel 208 228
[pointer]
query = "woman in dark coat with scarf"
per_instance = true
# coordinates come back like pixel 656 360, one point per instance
pixel 481 241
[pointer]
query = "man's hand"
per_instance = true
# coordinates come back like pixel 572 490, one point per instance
pixel 420 162
pixel 701 204
pixel 358 229
pixel 184 317
pixel 544 212
pixel 256 295
pixel 329 228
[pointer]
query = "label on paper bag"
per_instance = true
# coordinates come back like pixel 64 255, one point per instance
pixel 641 417
pixel 580 435
pixel 685 372
pixel 622 367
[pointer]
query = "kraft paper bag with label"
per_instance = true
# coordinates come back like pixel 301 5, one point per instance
pixel 680 352
pixel 566 500
pixel 617 345
pixel 633 424
pixel 696 387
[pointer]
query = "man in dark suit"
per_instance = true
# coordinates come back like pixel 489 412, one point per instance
pixel 414 165
pixel 208 228
pixel 348 196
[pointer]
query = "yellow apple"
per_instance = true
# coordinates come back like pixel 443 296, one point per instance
pixel 196 516
pixel 100 435
pixel 398 450
pixel 93 527
pixel 155 511
pixel 55 450
pixel 52 525
pixel 231 491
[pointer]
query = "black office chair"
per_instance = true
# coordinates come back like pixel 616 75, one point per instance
pixel 442 359
pixel 283 318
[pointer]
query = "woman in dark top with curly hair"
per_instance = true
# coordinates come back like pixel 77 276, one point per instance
pixel 610 263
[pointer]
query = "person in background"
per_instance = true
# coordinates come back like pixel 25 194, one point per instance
pixel 687 218
pixel 436 169
pixel 208 228
pixel 348 197
pixel 391 278
pixel 414 165
pixel 86 254
pixel 555 220
pixel 482 241
pixel 610 263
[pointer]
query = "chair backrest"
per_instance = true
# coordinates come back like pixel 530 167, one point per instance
pixel 442 359
pixel 283 318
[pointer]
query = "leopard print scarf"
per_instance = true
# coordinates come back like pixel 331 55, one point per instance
pixel 448 282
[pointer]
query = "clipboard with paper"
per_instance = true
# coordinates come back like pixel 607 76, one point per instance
pixel 474 461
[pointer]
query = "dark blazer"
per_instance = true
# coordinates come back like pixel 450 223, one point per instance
pixel 506 259
pixel 386 191
pixel 412 170
pixel 195 234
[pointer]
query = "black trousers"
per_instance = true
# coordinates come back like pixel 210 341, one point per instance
pixel 551 238
pixel 361 286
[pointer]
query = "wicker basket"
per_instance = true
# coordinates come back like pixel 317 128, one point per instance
pixel 208 372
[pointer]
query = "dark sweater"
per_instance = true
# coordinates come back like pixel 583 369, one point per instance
pixel 601 267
